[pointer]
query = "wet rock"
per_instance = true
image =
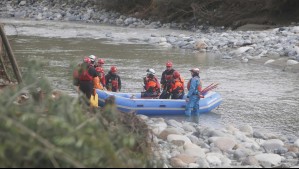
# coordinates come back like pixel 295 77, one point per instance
pixel 202 162
pixel 163 135
pixel 175 137
pixel 186 158
pixel 194 150
pixel 213 161
pixel 177 163
pixel 174 123
pixel 250 160
pixel 272 145
pixel 240 154
pixel 224 143
pixel 266 159
pixel 188 128
pixel 247 130
pixel 200 45
pixel 194 139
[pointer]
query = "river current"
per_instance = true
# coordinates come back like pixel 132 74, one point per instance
pixel 265 98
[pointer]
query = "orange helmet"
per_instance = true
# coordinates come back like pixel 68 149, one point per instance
pixel 101 61
pixel 168 64
pixel 113 69
pixel 100 70
pixel 87 60
pixel 176 74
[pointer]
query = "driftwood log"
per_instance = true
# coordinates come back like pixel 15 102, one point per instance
pixel 10 55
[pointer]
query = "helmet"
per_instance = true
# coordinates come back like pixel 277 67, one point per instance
pixel 168 64
pixel 100 70
pixel 92 58
pixel 176 74
pixel 101 61
pixel 113 69
pixel 87 60
pixel 150 72
pixel 195 70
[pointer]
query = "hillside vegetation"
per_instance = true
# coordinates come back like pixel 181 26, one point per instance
pixel 233 13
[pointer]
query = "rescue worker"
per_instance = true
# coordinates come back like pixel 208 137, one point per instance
pixel 151 84
pixel 167 77
pixel 92 59
pixel 177 86
pixel 113 81
pixel 96 81
pixel 100 63
pixel 194 94
pixel 86 75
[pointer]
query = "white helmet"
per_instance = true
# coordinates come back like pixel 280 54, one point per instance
pixel 150 72
pixel 92 58
pixel 195 70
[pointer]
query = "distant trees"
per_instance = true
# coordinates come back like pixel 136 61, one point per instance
pixel 215 12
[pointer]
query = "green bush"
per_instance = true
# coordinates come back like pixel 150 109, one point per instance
pixel 46 132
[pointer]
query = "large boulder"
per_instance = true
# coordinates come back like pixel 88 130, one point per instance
pixel 268 158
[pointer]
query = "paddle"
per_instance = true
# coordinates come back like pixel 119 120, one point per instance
pixel 209 88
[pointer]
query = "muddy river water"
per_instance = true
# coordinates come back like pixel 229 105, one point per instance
pixel 263 97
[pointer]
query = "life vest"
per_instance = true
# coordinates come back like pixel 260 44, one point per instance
pixel 199 87
pixel 85 76
pixel 177 85
pixel 97 83
pixel 115 83
pixel 168 77
pixel 152 84
pixel 112 84
pixel 103 80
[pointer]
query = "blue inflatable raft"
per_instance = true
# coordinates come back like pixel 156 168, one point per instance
pixel 132 102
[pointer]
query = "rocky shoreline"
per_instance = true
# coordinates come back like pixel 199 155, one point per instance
pixel 188 144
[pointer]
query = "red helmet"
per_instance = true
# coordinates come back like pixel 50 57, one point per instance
pixel 101 61
pixel 113 69
pixel 100 70
pixel 168 64
pixel 176 74
pixel 87 60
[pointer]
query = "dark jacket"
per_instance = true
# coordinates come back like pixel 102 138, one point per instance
pixel 113 82
pixel 166 79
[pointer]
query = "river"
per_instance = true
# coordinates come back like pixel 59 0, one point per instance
pixel 265 98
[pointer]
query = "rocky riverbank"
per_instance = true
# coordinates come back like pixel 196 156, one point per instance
pixel 189 144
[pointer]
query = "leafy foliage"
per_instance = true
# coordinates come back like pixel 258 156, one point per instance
pixel 64 132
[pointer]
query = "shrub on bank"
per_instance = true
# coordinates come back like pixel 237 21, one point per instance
pixel 38 130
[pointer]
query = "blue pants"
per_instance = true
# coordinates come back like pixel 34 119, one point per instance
pixel 192 106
